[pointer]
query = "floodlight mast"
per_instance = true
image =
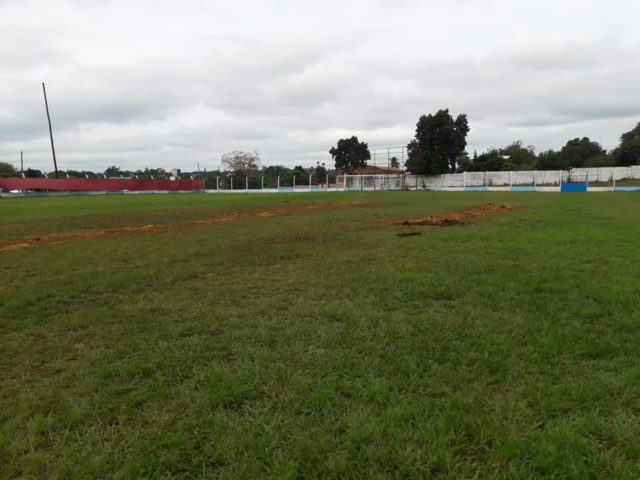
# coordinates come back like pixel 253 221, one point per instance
pixel 53 149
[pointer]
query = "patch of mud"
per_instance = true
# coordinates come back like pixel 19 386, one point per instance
pixel 460 217
pixel 61 237
pixel 81 221
pixel 408 234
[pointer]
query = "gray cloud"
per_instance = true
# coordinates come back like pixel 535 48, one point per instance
pixel 149 84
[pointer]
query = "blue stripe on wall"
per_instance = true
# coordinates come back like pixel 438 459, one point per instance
pixel 574 187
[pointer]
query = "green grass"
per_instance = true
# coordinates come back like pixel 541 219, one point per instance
pixel 319 344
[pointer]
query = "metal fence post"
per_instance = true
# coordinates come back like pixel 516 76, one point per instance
pixel 231 183
pixel 262 183
pixel 294 183
pixel 246 183
pixel 309 182
pixel 217 183
pixel 278 185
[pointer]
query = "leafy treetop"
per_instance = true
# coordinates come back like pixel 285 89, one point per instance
pixel 350 154
pixel 439 143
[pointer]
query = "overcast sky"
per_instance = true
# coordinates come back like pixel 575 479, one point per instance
pixel 168 84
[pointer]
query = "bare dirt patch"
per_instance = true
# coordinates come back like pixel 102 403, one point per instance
pixel 61 237
pixel 460 217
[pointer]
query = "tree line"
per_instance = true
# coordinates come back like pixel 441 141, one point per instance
pixel 8 170
pixel 438 147
pixel 246 169
pixel 440 141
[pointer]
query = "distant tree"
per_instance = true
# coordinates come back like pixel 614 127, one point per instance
pixel 209 177
pixel 275 171
pixel 439 143
pixel 394 162
pixel 550 160
pixel 301 174
pixel 72 174
pixel 7 170
pixel 603 160
pixel 490 161
pixel 350 154
pixel 239 161
pixel 628 152
pixel 271 174
pixel 31 173
pixel 152 174
pixel 577 151
pixel 465 163
pixel 519 157
pixel 320 172
pixel 113 172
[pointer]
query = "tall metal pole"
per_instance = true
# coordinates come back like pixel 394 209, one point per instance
pixel 53 149
pixel 21 162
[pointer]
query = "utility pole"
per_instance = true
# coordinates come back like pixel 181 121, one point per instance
pixel 53 149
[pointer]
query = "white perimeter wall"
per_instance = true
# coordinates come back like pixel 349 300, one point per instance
pixel 543 177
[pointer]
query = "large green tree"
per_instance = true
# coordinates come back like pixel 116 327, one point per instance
pixel 350 154
pixel 628 153
pixel 439 143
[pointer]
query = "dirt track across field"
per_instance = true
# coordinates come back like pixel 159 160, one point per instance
pixel 61 237
pixel 460 217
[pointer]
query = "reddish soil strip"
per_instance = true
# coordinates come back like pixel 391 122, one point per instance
pixel 460 217
pixel 61 237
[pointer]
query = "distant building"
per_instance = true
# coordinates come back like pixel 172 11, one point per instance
pixel 375 170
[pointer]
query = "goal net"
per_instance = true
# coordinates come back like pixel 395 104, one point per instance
pixel 371 182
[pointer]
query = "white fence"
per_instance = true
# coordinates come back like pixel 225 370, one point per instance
pixel 503 179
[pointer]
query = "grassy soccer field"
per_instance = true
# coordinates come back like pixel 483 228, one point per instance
pixel 297 336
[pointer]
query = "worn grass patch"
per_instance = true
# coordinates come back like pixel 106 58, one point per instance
pixel 318 344
pixel 464 216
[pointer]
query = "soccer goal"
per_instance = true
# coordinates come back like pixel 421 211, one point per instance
pixel 371 183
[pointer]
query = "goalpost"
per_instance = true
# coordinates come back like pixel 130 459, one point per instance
pixel 371 183
pixel 574 182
